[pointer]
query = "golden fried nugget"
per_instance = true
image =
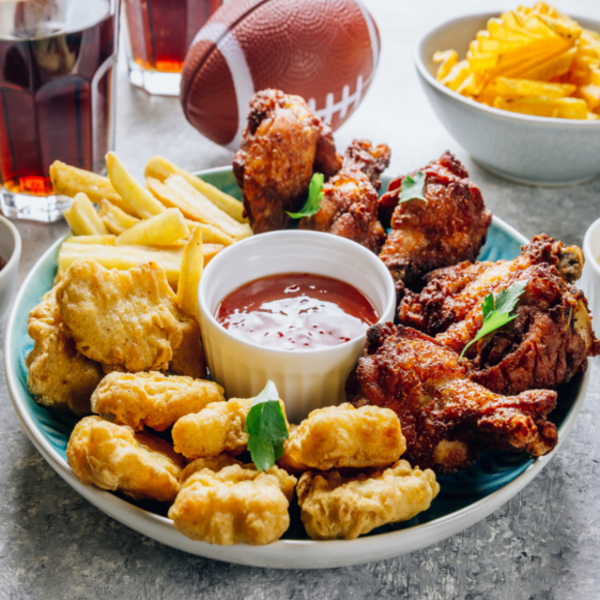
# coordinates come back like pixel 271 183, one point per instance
pixel 59 376
pixel 152 399
pixel 216 429
pixel 337 507
pixel 115 458
pixel 344 436
pixel 222 501
pixel 124 318
pixel 188 357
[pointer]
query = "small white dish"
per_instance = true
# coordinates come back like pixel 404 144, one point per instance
pixel 590 280
pixel 305 379
pixel 522 148
pixel 10 252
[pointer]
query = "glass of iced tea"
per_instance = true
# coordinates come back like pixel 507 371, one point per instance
pixel 57 86
pixel 160 33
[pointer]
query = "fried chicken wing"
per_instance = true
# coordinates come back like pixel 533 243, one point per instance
pixel 222 501
pixel 152 399
pixel 283 144
pixel 216 429
pixel 370 159
pixel 450 227
pixel 115 458
pixel 446 418
pixel 349 204
pixel 128 319
pixel 343 436
pixel 548 342
pixel 338 507
pixel 59 376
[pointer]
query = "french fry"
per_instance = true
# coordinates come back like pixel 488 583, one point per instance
pixel 170 199
pixel 591 94
pixel 553 67
pixel 160 168
pixel 127 257
pixel 115 220
pixel 68 181
pixel 192 264
pixel 564 108
pixel 458 73
pixel 102 240
pixel 525 61
pixel 210 214
pixel 162 230
pixel 510 89
pixel 139 199
pixel 447 60
pixel 83 218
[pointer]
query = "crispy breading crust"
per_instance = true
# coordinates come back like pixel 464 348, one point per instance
pixel 152 399
pixel 216 429
pixel 125 318
pixel 59 376
pixel 447 419
pixel 115 458
pixel 222 501
pixel 344 436
pixel 337 507
pixel 450 227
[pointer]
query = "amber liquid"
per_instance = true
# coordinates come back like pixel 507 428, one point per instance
pixel 55 100
pixel 161 31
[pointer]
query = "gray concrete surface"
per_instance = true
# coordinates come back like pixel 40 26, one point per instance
pixel 543 544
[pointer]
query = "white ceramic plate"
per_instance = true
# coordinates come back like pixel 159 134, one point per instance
pixel 464 499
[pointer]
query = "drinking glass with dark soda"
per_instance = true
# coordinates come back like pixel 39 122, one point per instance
pixel 57 89
pixel 160 33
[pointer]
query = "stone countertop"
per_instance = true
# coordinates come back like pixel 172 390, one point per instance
pixel 543 544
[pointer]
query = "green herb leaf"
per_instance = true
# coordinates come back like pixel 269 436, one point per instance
pixel 266 428
pixel 498 311
pixel 315 195
pixel 412 188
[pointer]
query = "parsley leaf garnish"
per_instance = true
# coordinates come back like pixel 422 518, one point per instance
pixel 315 195
pixel 498 311
pixel 266 428
pixel 412 188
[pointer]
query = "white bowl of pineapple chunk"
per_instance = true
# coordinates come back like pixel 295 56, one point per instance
pixel 520 91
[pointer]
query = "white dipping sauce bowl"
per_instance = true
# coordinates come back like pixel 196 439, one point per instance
pixel 10 251
pixel 523 148
pixel 590 280
pixel 305 379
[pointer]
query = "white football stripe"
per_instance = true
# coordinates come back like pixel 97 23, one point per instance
pixel 210 33
pixel 238 67
pixel 372 34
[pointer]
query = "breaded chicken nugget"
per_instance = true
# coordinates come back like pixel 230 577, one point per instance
pixel 344 436
pixel 152 399
pixel 337 507
pixel 216 429
pixel 128 318
pixel 222 501
pixel 59 376
pixel 115 458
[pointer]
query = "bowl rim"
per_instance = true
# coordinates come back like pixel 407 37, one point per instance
pixel 587 247
pixel 13 260
pixel 489 110
pixel 349 245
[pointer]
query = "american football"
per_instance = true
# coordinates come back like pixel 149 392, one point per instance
pixel 325 51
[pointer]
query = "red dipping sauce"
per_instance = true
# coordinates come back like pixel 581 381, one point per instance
pixel 296 311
